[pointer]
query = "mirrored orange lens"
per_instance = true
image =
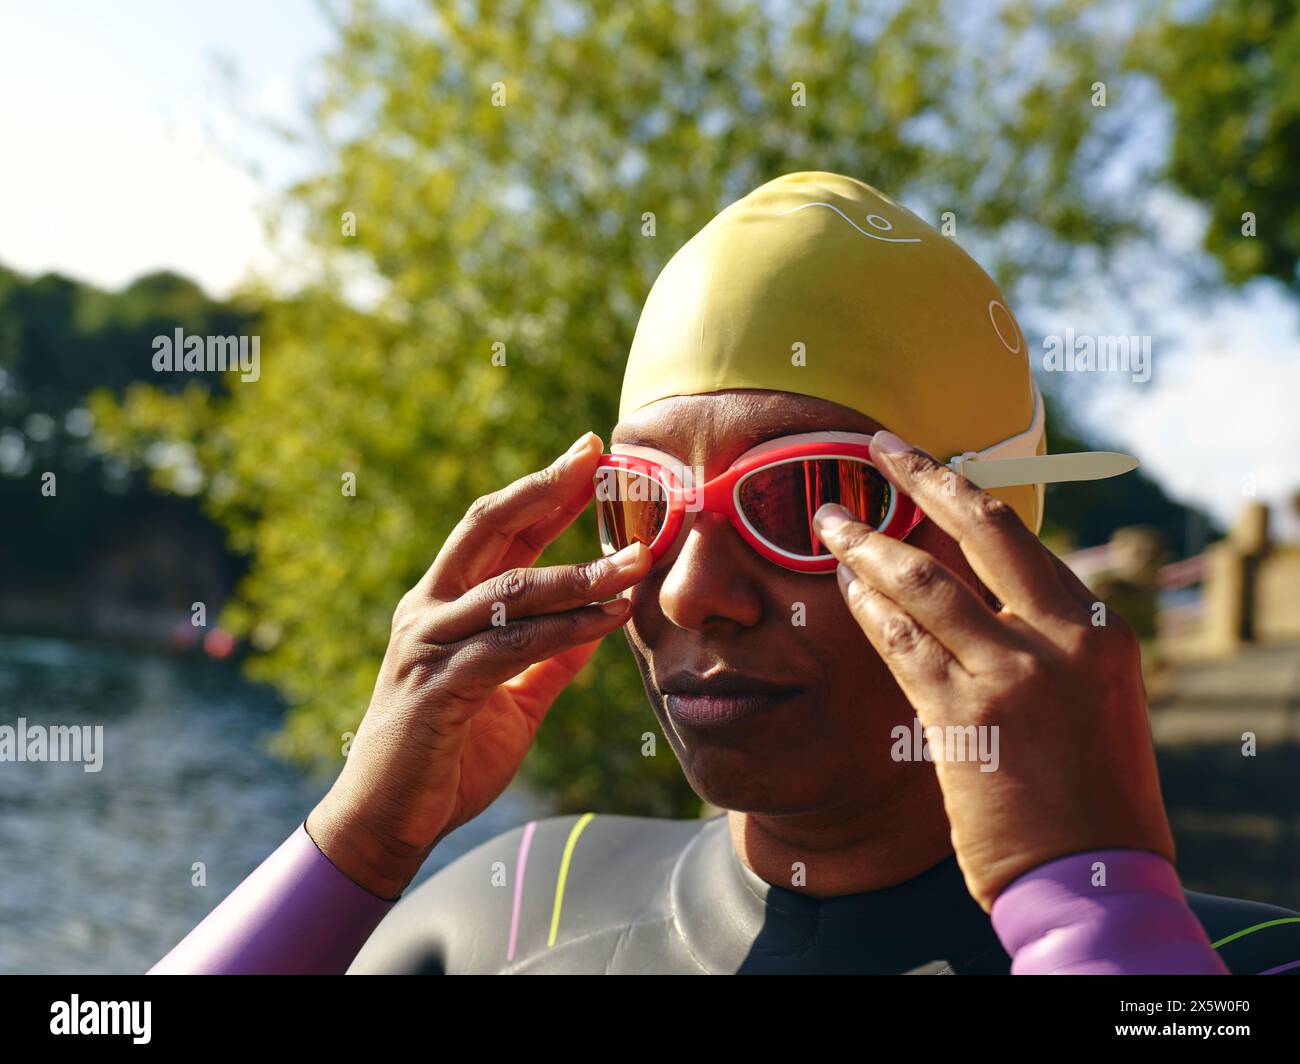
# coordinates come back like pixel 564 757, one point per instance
pixel 629 506
pixel 779 501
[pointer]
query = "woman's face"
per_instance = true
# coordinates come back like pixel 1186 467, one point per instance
pixel 817 732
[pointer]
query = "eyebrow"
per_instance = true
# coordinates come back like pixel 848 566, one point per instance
pixel 634 440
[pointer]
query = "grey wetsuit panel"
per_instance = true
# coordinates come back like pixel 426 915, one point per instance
pixel 648 896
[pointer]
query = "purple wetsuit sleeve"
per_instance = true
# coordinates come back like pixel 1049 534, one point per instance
pixel 295 914
pixel 1054 921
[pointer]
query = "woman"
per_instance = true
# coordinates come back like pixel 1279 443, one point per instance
pixel 938 761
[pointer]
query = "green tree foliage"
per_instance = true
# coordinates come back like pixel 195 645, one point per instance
pixel 1232 75
pixel 516 173
pixel 59 339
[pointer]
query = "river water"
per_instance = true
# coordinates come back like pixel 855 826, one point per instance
pixel 96 868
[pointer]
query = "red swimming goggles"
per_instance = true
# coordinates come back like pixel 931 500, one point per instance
pixel 769 494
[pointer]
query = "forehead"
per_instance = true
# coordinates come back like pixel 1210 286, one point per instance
pixel 727 423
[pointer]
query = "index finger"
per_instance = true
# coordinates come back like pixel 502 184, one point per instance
pixel 536 508
pixel 1002 552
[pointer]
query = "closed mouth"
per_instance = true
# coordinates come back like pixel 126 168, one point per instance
pixel 721 698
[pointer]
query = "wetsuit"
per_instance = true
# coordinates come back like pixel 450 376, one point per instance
pixel 614 894
pixel 661 896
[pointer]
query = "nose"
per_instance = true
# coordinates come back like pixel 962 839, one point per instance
pixel 711 580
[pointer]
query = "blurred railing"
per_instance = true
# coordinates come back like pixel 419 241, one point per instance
pixel 1243 589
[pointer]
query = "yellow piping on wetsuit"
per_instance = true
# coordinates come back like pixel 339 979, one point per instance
pixel 569 846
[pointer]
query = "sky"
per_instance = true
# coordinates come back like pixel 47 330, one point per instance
pixel 126 146
pixel 131 140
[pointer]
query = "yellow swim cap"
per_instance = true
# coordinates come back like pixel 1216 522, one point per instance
pixel 817 284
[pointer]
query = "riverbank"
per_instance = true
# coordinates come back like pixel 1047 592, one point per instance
pixel 104 872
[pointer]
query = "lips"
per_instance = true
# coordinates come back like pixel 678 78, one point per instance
pixel 718 699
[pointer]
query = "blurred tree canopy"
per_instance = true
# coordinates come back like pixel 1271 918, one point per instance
pixel 59 340
pixel 490 174
pixel 1231 72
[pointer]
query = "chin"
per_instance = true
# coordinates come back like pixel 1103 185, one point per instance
pixel 729 779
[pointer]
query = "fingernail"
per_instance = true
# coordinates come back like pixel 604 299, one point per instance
pixel 613 606
pixel 831 515
pixel 627 557
pixel 888 443
pixel 845 576
pixel 578 446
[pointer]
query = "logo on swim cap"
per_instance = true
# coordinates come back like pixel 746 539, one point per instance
pixel 874 220
pixel 1005 315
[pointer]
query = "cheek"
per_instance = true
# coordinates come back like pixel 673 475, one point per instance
pixel 848 661
pixel 830 645
pixel 826 615
pixel 808 623
pixel 647 615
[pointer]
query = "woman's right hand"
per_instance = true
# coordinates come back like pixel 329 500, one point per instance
pixel 480 649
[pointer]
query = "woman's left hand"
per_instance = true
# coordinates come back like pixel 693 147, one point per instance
pixel 1076 767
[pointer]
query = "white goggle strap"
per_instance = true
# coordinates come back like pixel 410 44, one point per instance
pixel 1015 461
